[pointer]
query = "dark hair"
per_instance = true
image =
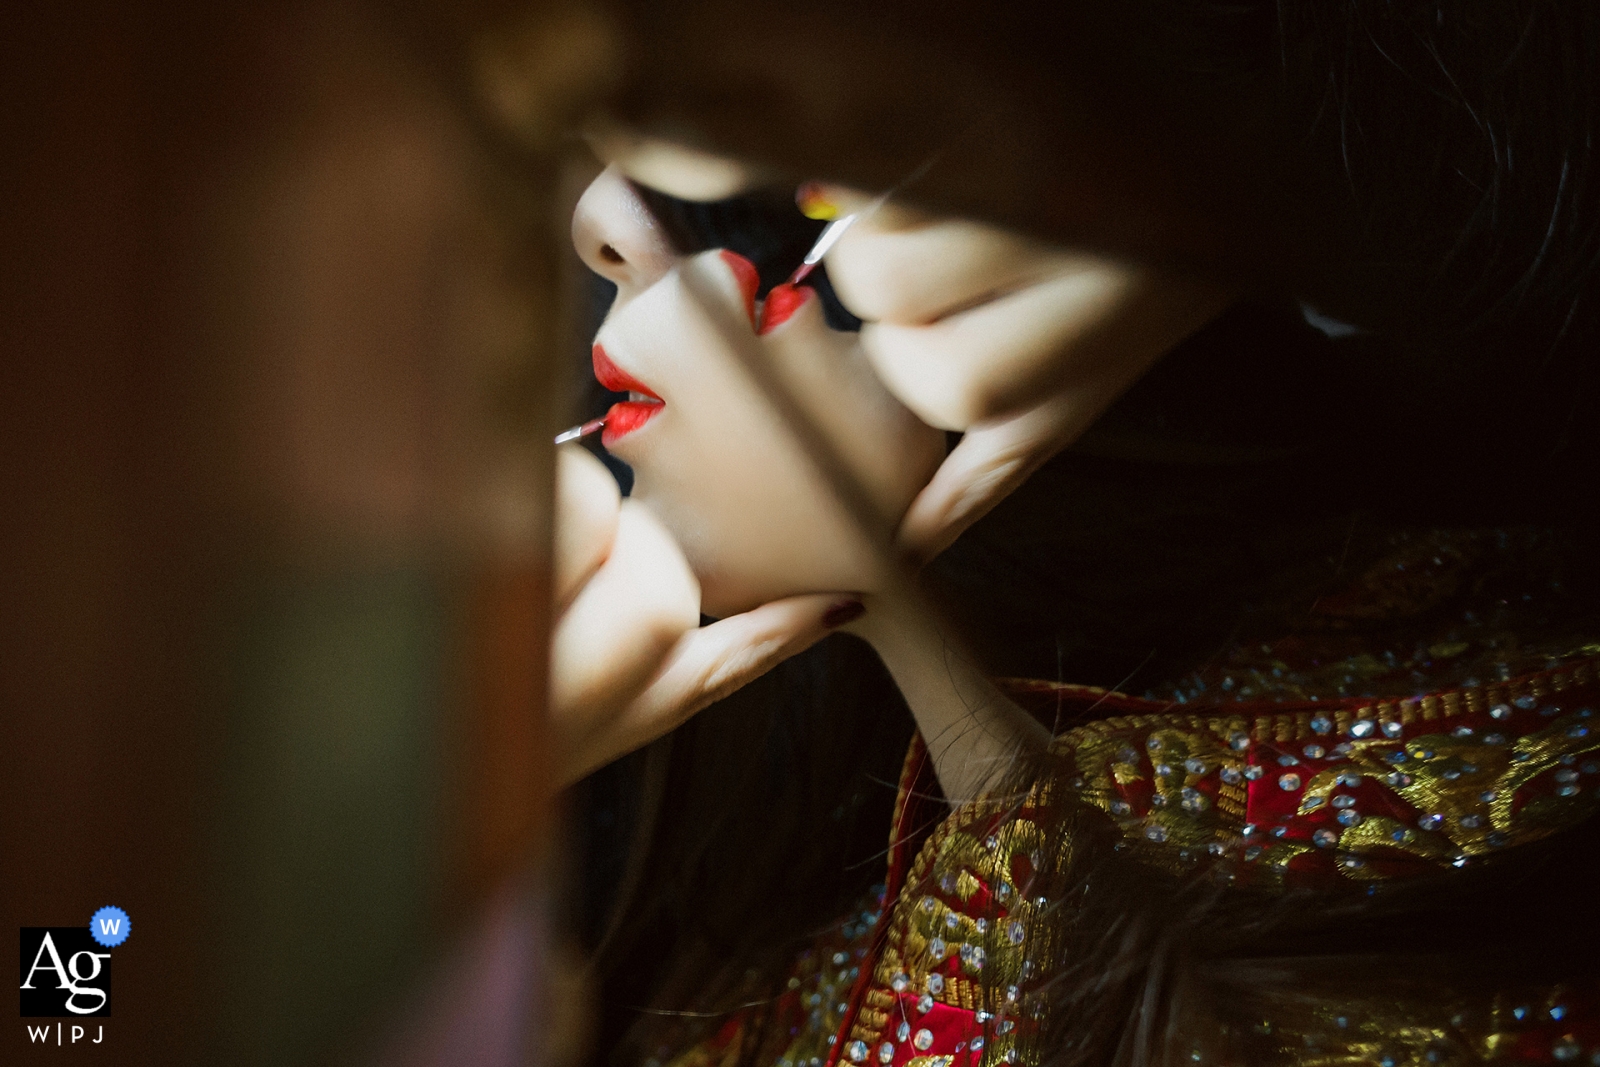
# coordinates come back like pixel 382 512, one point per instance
pixel 1253 467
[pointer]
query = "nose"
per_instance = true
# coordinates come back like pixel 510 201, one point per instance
pixel 617 237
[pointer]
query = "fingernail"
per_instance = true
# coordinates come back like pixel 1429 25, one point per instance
pixel 842 612
pixel 814 203
pixel 749 279
pixel 782 302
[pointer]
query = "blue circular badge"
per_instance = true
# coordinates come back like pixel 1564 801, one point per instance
pixel 109 927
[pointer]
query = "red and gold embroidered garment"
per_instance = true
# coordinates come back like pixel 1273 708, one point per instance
pixel 1276 793
pixel 1351 790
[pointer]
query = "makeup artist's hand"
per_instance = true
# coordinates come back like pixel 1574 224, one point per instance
pixel 1017 344
pixel 629 659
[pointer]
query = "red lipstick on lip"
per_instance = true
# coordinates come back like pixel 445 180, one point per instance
pixel 629 415
pixel 782 302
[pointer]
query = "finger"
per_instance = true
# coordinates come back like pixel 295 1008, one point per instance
pixel 991 461
pixel 587 503
pixel 990 360
pixel 885 271
pixel 709 663
pixel 623 624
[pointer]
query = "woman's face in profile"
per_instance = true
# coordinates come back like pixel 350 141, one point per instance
pixel 710 457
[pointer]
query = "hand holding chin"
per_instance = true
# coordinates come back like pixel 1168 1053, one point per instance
pixel 629 660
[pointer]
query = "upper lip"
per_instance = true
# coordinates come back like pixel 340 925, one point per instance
pixel 616 379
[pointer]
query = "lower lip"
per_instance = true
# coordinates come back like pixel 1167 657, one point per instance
pixel 626 417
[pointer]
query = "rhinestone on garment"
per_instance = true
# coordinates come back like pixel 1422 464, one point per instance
pixel 981 1016
pixel 1231 775
pixel 1566 774
pixel 1348 779
pixel 1196 804
pixel 929 904
pixel 1496 839
pixel 1350 859
pixel 1343 748
pixel 1397 756
pixel 1155 832
pixel 1238 741
pixel 1163 770
pixel 1558 1012
pixel 925 1003
pixel 1311 803
pixel 1471 822
pixel 1254 771
pixel 1252 852
pixel 886 1052
pixel 1344 801
pixel 1487 796
pixel 1325 838
pixel 951 921
pixel 981 925
pixel 1431 822
pixel 948 883
pixel 1578 730
pixel 1004 1026
pixel 1120 807
pixel 1362 728
pixel 1565 1049
pixel 1494 739
pixel 1500 711
pixel 841 958
pixel 977 1043
pixel 857 1051
pixel 1321 724
pixel 1289 782
pixel 900 982
pixel 991 842
pixel 923 1040
pixel 1287 760
pixel 936 983
pixel 1314 751
pixel 1526 701
pixel 1015 932
pixel 1464 731
pixel 1568 790
pixel 936 948
pixel 1349 818
pixel 1195 766
pixel 1392 729
pixel 903 1031
pixel 1399 779
pixel 1152 743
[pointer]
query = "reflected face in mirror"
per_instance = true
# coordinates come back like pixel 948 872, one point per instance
pixel 752 514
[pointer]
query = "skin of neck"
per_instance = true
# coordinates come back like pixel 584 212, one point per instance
pixel 974 733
